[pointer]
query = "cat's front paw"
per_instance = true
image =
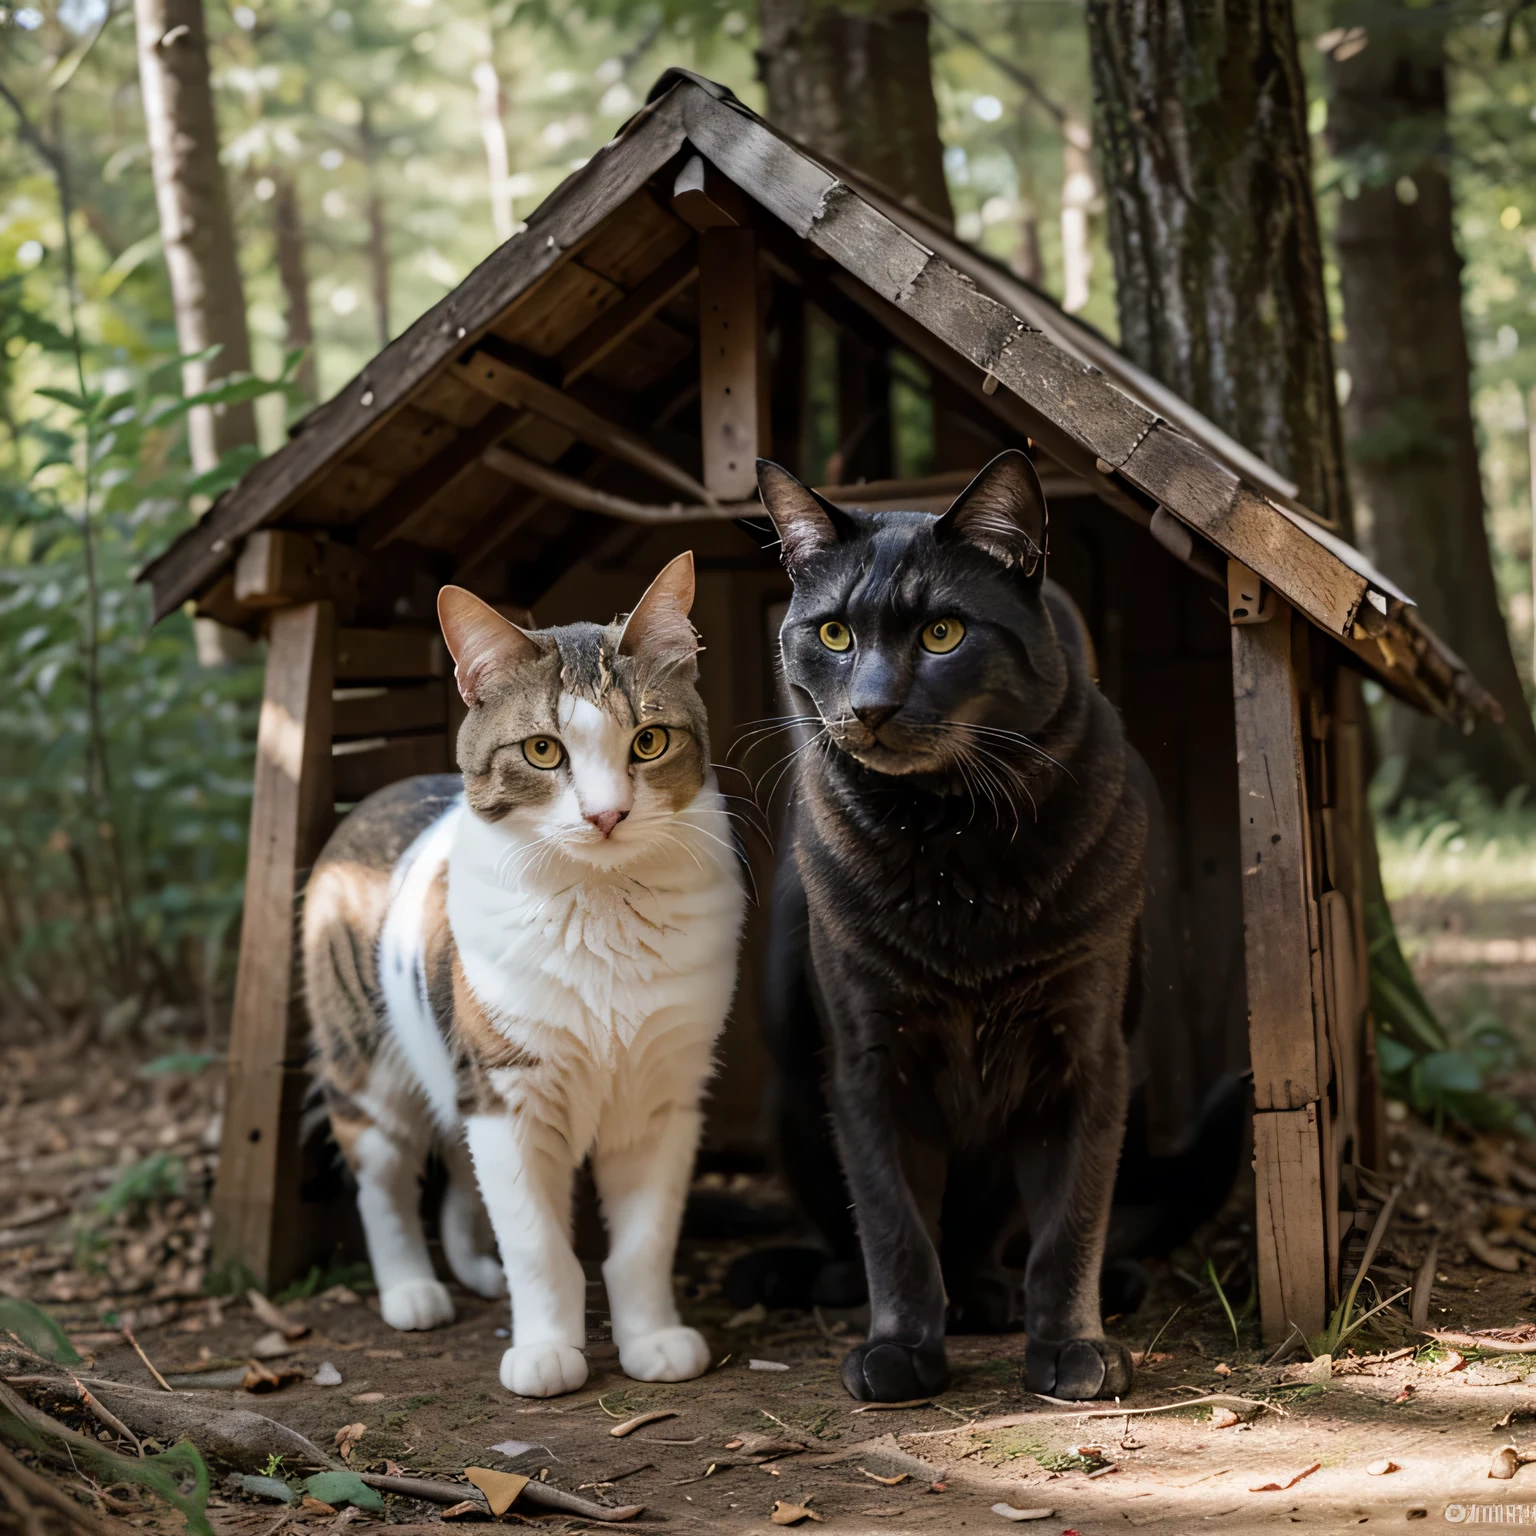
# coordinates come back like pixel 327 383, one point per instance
pixel 668 1354
pixel 883 1371
pixel 1077 1370
pixel 543 1370
pixel 414 1304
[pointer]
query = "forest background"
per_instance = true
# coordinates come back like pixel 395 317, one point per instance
pixel 372 152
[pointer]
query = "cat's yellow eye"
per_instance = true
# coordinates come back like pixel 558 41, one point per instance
pixel 650 743
pixel 543 752
pixel 835 636
pixel 942 636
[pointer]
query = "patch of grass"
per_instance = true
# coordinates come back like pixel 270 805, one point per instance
pixel 1299 1392
pixel 356 1277
pixel 147 1182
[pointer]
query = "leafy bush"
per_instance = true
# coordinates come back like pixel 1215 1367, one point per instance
pixel 124 764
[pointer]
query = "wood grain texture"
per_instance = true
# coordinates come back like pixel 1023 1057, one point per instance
pixel 615 326
pixel 365 405
pixel 257 1191
pixel 360 768
pixel 277 567
pixel 729 374
pixel 1277 897
pixel 1211 499
pixel 1289 1222
pixel 379 655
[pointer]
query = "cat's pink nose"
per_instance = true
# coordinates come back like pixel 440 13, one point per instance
pixel 606 821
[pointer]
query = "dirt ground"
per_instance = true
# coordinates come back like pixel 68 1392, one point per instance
pixel 103 1222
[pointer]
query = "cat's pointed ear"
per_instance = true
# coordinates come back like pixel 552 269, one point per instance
pixel 485 647
pixel 1002 511
pixel 657 629
pixel 805 521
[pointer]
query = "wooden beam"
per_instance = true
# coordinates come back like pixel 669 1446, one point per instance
pixel 1283 972
pixel 256 1235
pixel 729 375
pixel 1289 1221
pixel 514 387
pixel 564 488
pixel 615 326
pixel 704 198
pixel 405 506
pixel 377 711
pixel 277 567
pixel 1277 895
pixel 380 655
pixel 361 767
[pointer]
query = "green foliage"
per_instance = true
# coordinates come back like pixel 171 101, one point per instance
pixel 179 1475
pixel 128 1199
pixel 36 1330
pixel 356 1277
pixel 343 1488
pixel 179 1064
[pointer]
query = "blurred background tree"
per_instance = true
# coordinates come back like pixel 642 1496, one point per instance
pixel 369 153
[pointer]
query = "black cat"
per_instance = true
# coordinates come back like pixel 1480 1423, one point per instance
pixel 956 917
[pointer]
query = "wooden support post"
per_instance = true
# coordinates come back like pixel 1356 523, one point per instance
pixel 256 1237
pixel 729 375
pixel 1279 927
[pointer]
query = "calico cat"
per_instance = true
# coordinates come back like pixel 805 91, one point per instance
pixel 956 920
pixel 531 963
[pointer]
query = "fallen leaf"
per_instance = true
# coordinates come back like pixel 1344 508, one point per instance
pixel 385 1354
pixel 1453 1362
pixel 1281 1487
pixel 1506 1462
pixel 1223 1369
pixel 938 1488
pixel 1008 1512
pixel 272 1346
pixel 263 1378
pixel 327 1375
pixel 765 1365
pixel 342 1295
pixel 369 1397
pixel 890 1482
pixel 1381 1468
pixel 274 1316
pixel 316 1506
pixel 462 1508
pixel 347 1437
pixel 791 1514
pixel 756 1313
pixel 515 1447
pixel 1405 1394
pixel 1223 1418
pixel 1485 1253
pixel 500 1488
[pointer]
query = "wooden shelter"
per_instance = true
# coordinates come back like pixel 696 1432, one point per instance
pixel 591 400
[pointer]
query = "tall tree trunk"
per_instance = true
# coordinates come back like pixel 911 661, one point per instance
pixel 196 228
pixel 293 274
pixel 1201 122
pixel 1409 409
pixel 1078 191
pixel 493 134
pixel 378 232
pixel 857 84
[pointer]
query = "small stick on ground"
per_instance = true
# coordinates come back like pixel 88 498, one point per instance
pixel 149 1364
pixel 1013 1420
pixel 1161 1331
pixel 105 1417
pixel 1424 1286
pixel 27 1517
pixel 41 1490
pixel 629 1426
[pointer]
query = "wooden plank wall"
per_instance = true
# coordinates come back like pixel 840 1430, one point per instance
pixel 1301 821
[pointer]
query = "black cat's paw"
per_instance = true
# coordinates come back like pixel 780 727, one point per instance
pixel 841 1283
pixel 990 1302
pixel 884 1371
pixel 1123 1287
pixel 775 1277
pixel 1076 1370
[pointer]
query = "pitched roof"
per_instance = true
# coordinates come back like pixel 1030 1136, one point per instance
pixel 1042 371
